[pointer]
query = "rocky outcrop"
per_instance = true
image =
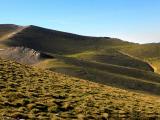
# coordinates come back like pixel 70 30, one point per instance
pixel 21 54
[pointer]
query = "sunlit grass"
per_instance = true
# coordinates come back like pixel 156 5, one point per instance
pixel 32 93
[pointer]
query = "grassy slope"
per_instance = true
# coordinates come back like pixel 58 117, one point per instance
pixel 114 57
pixel 33 93
pixel 101 49
pixel 146 52
pixel 101 56
pixel 34 37
pixel 5 31
pixel 124 77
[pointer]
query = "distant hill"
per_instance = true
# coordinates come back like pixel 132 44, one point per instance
pixel 31 93
pixel 52 41
pixel 6 29
pixel 104 60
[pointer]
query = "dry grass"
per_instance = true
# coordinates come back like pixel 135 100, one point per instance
pixel 108 74
pixel 28 93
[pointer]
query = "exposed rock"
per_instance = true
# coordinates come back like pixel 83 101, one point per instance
pixel 21 54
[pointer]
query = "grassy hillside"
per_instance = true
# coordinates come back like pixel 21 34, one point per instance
pixel 37 94
pixel 115 57
pixel 123 77
pixel 146 52
pixel 6 31
pixel 60 42
pixel 100 59
pixel 101 49
pixel 7 28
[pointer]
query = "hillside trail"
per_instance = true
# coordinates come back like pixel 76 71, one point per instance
pixel 147 62
pixel 10 35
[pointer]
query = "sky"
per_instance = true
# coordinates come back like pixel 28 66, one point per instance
pixel 131 20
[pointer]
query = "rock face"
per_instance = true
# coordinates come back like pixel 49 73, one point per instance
pixel 21 54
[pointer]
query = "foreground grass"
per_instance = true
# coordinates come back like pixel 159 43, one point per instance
pixel 28 93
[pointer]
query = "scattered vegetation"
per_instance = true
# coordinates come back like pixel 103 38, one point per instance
pixel 31 93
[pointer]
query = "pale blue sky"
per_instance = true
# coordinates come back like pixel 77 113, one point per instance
pixel 131 20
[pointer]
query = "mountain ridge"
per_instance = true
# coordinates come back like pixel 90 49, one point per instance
pixel 48 74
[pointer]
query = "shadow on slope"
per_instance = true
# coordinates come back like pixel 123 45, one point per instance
pixel 111 56
pixel 52 41
pixel 123 77
pixel 147 52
